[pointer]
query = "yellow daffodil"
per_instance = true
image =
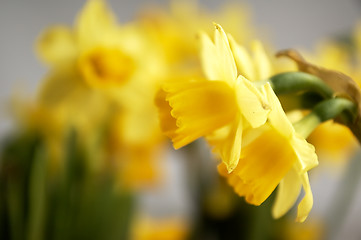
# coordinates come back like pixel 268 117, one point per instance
pixel 245 125
pixel 223 102
pixel 103 77
pixel 99 59
pixel 104 54
pixel 94 45
pixel 176 29
pixel 274 154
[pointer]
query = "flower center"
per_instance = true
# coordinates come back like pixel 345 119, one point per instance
pixel 106 66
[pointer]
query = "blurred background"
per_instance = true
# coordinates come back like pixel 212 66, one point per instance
pixel 286 24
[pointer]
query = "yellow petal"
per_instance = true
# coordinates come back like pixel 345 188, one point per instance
pixel 200 108
pixel 250 134
pixel 57 45
pixel 94 21
pixel 277 116
pixel 140 122
pixel 305 206
pixel 306 154
pixel 264 162
pixel 243 60
pixel 226 63
pixel 262 63
pixel 63 85
pixel 217 58
pixel 253 105
pixel 287 193
pixel 166 120
pixel 209 58
pixel 228 146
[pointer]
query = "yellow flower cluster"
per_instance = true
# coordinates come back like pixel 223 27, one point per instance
pixel 103 77
pixel 243 122
pixel 122 87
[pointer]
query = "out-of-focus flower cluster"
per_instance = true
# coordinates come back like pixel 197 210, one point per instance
pixel 96 134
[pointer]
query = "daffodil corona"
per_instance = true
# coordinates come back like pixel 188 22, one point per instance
pixel 243 122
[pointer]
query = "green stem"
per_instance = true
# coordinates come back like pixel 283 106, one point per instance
pixel 296 82
pixel 37 196
pixel 348 118
pixel 306 125
pixel 304 83
pixel 326 110
pixel 332 108
pixel 15 200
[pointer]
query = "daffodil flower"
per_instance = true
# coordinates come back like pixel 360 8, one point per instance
pixel 218 108
pixel 274 155
pixel 244 123
pixel 103 73
pixel 94 45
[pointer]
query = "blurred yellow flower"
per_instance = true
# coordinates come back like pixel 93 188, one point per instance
pixel 102 66
pixel 311 230
pixel 104 53
pixel 176 30
pixel 333 141
pixel 99 59
pixel 48 124
pixel 103 78
pixel 138 160
pixel 146 228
